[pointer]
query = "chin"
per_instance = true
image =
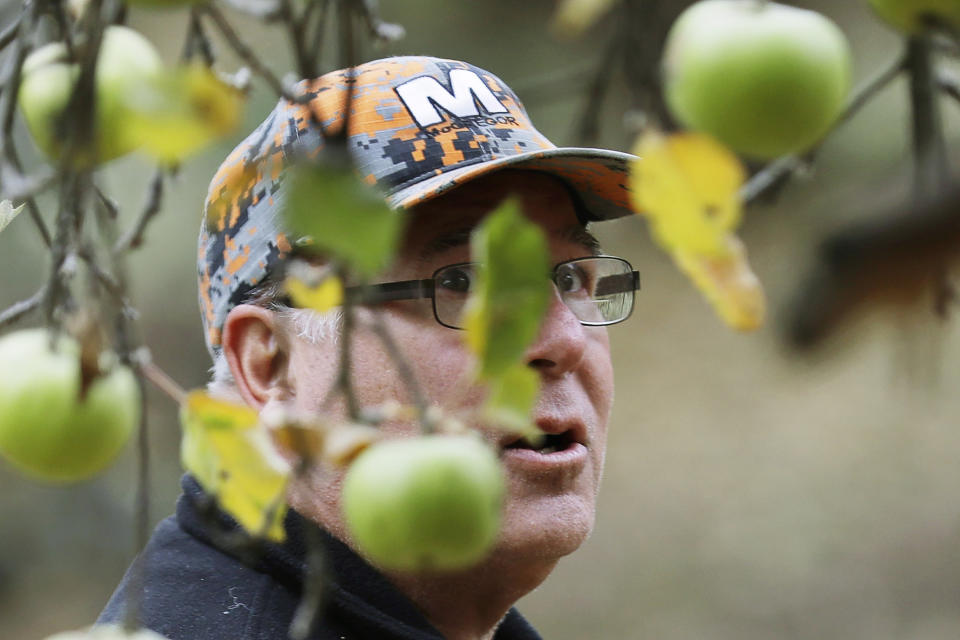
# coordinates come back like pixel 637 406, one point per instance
pixel 547 527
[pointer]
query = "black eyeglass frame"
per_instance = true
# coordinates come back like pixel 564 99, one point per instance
pixel 372 294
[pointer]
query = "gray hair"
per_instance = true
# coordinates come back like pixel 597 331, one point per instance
pixel 312 326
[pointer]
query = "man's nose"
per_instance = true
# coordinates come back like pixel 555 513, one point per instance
pixel 562 340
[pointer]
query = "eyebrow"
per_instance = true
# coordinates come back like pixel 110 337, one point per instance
pixel 460 237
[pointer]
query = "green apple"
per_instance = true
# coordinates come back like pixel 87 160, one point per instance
pixel 429 503
pixel 50 431
pixel 125 60
pixel 912 16
pixel 763 78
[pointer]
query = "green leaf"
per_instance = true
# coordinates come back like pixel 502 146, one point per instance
pixel 342 217
pixel 7 213
pixel 512 292
pixel 511 399
pixel 232 456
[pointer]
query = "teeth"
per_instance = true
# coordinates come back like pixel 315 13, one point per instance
pixel 550 449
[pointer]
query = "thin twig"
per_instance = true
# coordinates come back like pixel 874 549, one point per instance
pixel 247 54
pixel 11 82
pixel 588 124
pixel 197 41
pixel 133 238
pixel 11 85
pixel 32 208
pixel 160 379
pixel 641 52
pixel 774 172
pixel 63 23
pixel 314 586
pixel 929 151
pixel 141 529
pixel 109 283
pixel 18 187
pixel 949 84
pixel 9 33
pixel 403 370
pixel 296 27
pixel 344 383
pixel 18 310
pixel 380 30
pixel 77 125
pixel 320 26
pixel 57 293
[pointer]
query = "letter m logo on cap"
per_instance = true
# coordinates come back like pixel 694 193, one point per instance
pixel 422 96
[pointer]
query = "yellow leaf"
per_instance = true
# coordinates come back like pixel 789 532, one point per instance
pixel 178 112
pixel 573 17
pixel 347 441
pixel 727 281
pixel 322 296
pixel 687 184
pixel 313 439
pixel 232 456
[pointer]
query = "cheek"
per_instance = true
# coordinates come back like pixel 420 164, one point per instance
pixel 438 358
pixel 435 356
pixel 598 376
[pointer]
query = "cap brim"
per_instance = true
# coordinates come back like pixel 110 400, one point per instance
pixel 598 176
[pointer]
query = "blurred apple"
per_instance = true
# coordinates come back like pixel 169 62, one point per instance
pixel 764 78
pixel 50 427
pixel 125 60
pixel 424 504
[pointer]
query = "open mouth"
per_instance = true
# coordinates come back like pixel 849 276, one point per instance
pixel 548 443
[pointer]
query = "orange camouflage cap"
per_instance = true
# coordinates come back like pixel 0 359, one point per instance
pixel 417 127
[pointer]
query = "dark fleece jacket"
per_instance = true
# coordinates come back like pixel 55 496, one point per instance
pixel 205 580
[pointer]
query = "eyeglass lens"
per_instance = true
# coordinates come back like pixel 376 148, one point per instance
pixel 598 290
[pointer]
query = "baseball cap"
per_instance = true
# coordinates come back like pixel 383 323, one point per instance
pixel 418 126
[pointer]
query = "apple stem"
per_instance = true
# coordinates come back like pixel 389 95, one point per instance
pixel 160 379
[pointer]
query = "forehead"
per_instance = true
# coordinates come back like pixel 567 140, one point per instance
pixel 445 223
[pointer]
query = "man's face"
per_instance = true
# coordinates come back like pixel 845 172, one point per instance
pixel 549 509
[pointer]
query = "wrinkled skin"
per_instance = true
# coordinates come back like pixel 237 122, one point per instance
pixel 548 512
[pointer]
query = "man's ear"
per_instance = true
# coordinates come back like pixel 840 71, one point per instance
pixel 257 351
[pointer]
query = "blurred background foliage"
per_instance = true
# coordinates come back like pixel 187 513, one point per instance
pixel 751 491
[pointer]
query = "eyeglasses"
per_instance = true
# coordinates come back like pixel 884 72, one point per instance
pixel 598 290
